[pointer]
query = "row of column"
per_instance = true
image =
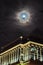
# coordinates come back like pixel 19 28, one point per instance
pixel 37 54
pixel 10 57
pixel 20 54
pixel 25 54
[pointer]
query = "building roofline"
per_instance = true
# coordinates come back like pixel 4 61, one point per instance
pixel 21 46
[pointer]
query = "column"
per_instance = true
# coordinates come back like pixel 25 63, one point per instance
pixel 28 52
pixel 34 56
pixel 9 58
pixel 25 53
pixel 40 54
pixel 18 54
pixel 37 52
pixel 0 60
pixel 13 56
pixel 6 59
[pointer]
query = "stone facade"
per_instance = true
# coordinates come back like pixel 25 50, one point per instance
pixel 22 52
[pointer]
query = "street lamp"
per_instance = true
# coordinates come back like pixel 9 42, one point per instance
pixel 21 37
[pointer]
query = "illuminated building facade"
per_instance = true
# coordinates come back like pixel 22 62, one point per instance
pixel 22 52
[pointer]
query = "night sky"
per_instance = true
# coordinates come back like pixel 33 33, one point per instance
pixel 11 29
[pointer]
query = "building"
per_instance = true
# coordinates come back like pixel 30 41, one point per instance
pixel 22 52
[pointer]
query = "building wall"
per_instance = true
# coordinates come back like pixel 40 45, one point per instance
pixel 22 52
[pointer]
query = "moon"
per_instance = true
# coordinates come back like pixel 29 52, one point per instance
pixel 23 16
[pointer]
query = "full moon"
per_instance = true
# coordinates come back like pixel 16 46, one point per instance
pixel 23 16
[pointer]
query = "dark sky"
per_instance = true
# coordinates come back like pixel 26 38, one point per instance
pixel 10 29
